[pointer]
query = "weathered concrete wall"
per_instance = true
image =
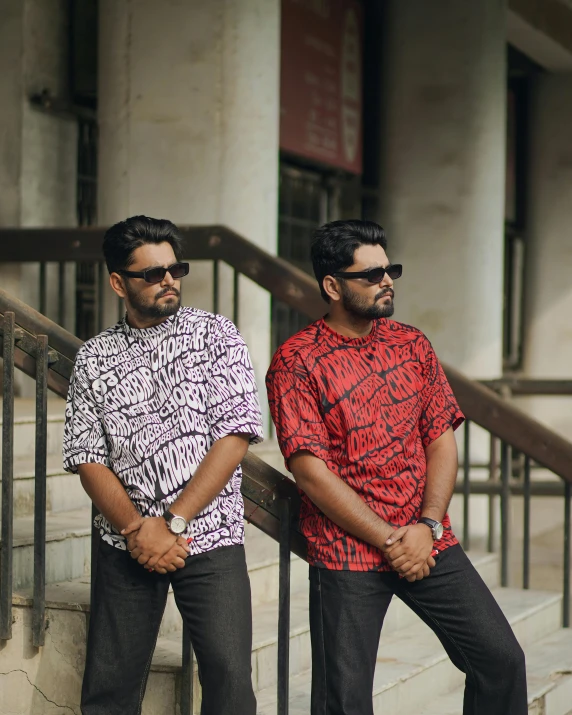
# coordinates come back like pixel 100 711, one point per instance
pixel 43 681
pixel 47 680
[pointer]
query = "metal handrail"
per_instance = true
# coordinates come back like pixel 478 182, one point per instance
pixel 299 291
pixel 531 386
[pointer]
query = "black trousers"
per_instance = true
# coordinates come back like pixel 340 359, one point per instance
pixel 212 593
pixel 347 609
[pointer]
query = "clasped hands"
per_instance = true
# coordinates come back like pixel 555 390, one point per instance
pixel 149 541
pixel 408 551
pixel 154 546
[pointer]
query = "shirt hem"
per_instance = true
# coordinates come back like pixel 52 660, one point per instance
pixel 351 565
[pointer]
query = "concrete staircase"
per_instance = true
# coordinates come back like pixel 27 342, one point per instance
pixel 414 674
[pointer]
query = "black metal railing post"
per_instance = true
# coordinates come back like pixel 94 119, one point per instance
pixel 6 578
pixel 493 467
pixel 216 281
pixel 566 589
pixel 506 468
pixel 94 547
pixel 466 485
pixel 526 525
pixel 235 297
pixel 43 289
pixel 284 510
pixel 39 608
pixel 187 674
pixel 100 292
pixel 62 293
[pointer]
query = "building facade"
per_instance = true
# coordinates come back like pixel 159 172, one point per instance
pixel 447 122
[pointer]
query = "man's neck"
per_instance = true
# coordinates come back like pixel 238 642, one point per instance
pixel 350 326
pixel 135 320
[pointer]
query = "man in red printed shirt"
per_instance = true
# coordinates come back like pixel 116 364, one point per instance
pixel 365 417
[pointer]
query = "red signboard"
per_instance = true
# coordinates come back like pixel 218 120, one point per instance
pixel 321 81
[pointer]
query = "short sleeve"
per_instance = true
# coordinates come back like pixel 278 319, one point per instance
pixel 233 404
pixel 294 406
pixel 439 409
pixel 84 441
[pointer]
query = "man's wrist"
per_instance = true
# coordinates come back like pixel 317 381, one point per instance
pixel 181 510
pixel 435 526
pixel 156 522
pixel 386 532
pixel 176 523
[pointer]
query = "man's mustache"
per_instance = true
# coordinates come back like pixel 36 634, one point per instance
pixel 382 293
pixel 168 290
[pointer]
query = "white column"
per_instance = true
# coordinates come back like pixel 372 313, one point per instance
pixel 442 193
pixel 38 168
pixel 11 111
pixel 548 284
pixel 189 115
pixel 39 160
pixel 443 167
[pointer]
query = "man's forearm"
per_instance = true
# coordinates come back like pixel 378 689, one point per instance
pixel 108 494
pixel 337 500
pixel 442 465
pixel 211 476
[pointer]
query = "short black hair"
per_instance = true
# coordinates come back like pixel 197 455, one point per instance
pixel 335 243
pixel 124 237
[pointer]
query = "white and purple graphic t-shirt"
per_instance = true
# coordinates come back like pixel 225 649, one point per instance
pixel 149 404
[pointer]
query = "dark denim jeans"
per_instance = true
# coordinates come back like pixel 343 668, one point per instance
pixel 347 609
pixel 212 593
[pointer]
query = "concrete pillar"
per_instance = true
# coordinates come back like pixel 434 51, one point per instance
pixel 38 167
pixel 442 187
pixel 189 114
pixel 548 283
pixel 443 168
pixel 11 111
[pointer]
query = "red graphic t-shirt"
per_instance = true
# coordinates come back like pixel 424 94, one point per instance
pixel 367 407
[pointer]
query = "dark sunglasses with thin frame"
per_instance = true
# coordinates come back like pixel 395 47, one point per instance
pixel 374 275
pixel 158 273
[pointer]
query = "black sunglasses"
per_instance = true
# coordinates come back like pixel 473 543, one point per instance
pixel 156 275
pixel 375 275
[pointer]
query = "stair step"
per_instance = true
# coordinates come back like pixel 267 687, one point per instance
pixel 68 557
pixel 418 668
pixel 68 554
pixel 74 595
pixel 167 656
pixel 549 673
pixel 418 663
pixel 68 547
pixel 25 427
pixel 64 490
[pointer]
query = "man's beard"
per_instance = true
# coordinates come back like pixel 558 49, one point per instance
pixel 152 309
pixel 357 306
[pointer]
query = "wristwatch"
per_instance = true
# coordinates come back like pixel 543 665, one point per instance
pixel 435 526
pixel 176 524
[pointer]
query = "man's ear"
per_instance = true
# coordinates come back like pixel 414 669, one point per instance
pixel 332 288
pixel 116 282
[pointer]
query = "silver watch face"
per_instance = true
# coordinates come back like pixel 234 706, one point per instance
pixel 177 525
pixel 438 532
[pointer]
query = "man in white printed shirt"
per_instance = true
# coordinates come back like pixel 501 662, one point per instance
pixel 161 410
